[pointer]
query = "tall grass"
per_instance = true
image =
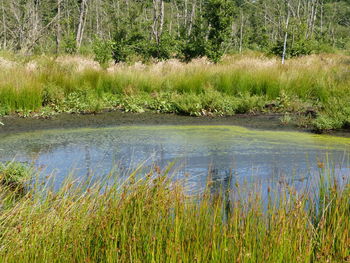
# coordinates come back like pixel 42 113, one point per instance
pixel 154 219
pixel 244 84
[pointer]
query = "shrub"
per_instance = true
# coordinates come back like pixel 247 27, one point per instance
pixel 102 50
pixel 52 94
pixel 69 44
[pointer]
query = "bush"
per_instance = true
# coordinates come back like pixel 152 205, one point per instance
pixel 298 48
pixel 69 44
pixel 52 94
pixel 301 48
pixel 164 49
pixel 102 50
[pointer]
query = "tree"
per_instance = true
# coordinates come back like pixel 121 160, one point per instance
pixel 218 15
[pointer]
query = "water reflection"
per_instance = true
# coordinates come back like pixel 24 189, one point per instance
pixel 221 152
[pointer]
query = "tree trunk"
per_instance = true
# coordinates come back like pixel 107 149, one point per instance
pixel 58 26
pixel 241 33
pixel 286 36
pixel 4 44
pixel 158 19
pixel 193 13
pixel 80 30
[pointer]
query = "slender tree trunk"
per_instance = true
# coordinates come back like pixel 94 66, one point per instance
pixel 241 33
pixel 177 20
pixel 155 20
pixel 83 28
pixel 314 18
pixel 186 12
pixel 171 20
pixel 158 19
pixel 4 44
pixel 161 18
pixel 321 18
pixel 286 35
pixel 82 14
pixel 193 13
pixel 58 26
pixel 98 18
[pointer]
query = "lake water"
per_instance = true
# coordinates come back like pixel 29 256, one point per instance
pixel 222 151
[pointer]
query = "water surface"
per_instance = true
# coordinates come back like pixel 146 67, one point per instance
pixel 222 151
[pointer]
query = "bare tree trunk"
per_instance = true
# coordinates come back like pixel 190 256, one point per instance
pixel 155 19
pixel 4 44
pixel 83 28
pixel 311 18
pixel 171 20
pixel 177 20
pixel 186 12
pixel 158 19
pixel 241 33
pixel 193 13
pixel 321 25
pixel 314 18
pixel 58 26
pixel 286 36
pixel 98 18
pixel 161 18
pixel 80 30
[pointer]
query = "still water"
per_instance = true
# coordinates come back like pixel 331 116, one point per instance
pixel 222 151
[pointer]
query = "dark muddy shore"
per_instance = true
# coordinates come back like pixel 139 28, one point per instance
pixel 15 124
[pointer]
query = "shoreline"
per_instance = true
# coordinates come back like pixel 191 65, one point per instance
pixel 16 124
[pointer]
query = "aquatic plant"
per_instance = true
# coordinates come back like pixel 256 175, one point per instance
pixel 154 219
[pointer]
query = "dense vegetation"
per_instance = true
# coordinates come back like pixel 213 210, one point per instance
pixel 314 89
pixel 311 91
pixel 154 219
pixel 192 57
pixel 126 30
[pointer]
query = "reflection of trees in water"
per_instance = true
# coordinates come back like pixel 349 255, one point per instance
pixel 219 185
pixel 33 149
pixel 219 179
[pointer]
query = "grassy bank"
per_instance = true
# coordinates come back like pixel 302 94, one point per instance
pixel 153 220
pixel 312 91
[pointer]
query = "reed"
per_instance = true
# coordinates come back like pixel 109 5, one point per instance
pixel 154 219
pixel 245 84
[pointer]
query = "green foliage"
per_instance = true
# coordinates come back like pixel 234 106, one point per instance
pixel 164 50
pixel 120 52
pixel 121 49
pixel 299 48
pixel 14 175
pixel 302 48
pixel 52 94
pixel 70 44
pixel 187 29
pixel 193 46
pixel 83 101
pixel 218 14
pixel 102 50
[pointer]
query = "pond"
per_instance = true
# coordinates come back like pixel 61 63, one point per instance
pixel 222 151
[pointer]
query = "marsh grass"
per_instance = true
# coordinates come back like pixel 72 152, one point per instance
pixel 240 84
pixel 155 219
